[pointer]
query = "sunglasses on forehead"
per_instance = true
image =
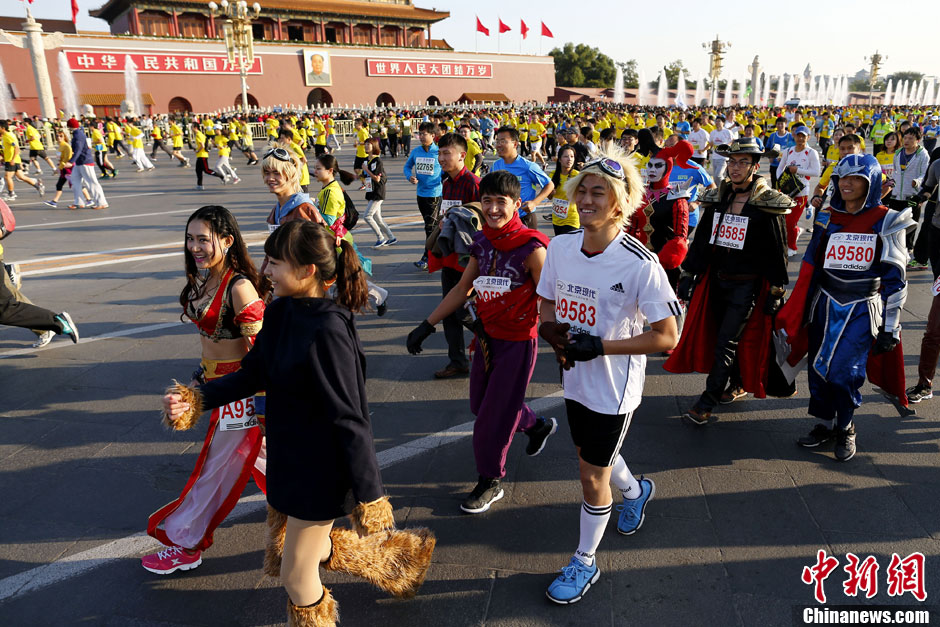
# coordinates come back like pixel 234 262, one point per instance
pixel 607 166
pixel 278 153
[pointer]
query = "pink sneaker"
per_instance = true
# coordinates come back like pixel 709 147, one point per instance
pixel 170 560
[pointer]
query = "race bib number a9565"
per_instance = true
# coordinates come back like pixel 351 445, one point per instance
pixel 731 232
pixel 576 305
pixel 850 251
pixel 238 415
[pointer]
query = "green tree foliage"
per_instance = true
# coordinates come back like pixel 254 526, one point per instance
pixel 582 66
pixel 672 74
pixel 897 77
pixel 630 76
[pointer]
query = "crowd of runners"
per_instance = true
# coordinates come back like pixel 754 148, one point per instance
pixel 673 232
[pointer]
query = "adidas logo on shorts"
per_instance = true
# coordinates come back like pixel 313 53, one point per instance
pixel 617 288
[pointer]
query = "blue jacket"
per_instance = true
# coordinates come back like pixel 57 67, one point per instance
pixel 429 185
pixel 81 153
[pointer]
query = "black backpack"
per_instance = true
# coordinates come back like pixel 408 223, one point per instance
pixel 352 214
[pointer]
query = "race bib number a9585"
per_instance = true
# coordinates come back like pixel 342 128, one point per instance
pixel 576 305
pixel 238 415
pixel 850 251
pixel 731 232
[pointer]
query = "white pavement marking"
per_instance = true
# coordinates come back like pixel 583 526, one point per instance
pixel 86 340
pixel 74 565
pixel 137 215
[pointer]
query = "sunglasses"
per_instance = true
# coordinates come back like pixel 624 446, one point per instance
pixel 607 166
pixel 278 153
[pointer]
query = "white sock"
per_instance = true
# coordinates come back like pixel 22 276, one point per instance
pixel 593 524
pixel 624 479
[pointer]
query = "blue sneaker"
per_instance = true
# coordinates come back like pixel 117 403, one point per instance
pixel 68 327
pixel 633 511
pixel 573 582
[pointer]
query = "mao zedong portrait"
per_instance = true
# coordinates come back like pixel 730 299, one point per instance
pixel 317 73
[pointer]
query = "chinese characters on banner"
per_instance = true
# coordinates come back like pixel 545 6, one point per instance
pixel 902 575
pixel 159 63
pixel 428 68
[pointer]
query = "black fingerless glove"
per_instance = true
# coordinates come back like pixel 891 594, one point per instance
pixel 421 333
pixel 685 288
pixel 885 343
pixel 584 347
pixel 555 333
pixel 774 302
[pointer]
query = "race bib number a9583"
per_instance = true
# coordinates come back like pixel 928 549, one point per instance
pixel 731 232
pixel 850 251
pixel 238 415
pixel 576 305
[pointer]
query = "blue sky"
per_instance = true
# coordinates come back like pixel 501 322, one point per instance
pixel 785 40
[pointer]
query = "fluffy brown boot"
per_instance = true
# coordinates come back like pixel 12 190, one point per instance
pixel 374 516
pixel 274 549
pixel 189 419
pixel 324 613
pixel 395 561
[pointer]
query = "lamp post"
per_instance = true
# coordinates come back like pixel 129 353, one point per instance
pixel 716 49
pixel 876 60
pixel 236 30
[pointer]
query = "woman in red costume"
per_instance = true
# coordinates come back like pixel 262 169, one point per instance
pixel 223 297
pixel 667 210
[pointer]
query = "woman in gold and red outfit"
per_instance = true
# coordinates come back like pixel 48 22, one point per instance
pixel 223 296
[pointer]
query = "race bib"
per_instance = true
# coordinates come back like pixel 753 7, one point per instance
pixel 238 415
pixel 560 208
pixel 490 287
pixel 272 228
pixel 447 204
pixel 425 165
pixel 936 287
pixel 850 251
pixel 731 233
pixel 576 305
pixel 368 183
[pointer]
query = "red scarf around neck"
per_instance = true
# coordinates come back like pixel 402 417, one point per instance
pixel 512 235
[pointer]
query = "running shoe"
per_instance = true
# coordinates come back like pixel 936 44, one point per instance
pixel 114 174
pixel 68 327
pixel 51 203
pixel 140 169
pixel 11 196
pixel 380 243
pixel 818 436
pixel 13 269
pixel 913 264
pixel 104 175
pixel 236 181
pixel 698 415
pixel 487 492
pixel 633 511
pixel 574 581
pixel 199 188
pixel 539 434
pixel 421 264
pixel 41 188
pixel 394 240
pixel 171 560
pixel 153 167
pixel 845 443
pixel 100 207
pixel 731 395
pixel 382 308
pixel 44 338
pixel 919 392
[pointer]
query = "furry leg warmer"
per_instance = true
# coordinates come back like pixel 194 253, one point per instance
pixel 274 549
pixel 370 517
pixel 323 613
pixel 193 397
pixel 395 561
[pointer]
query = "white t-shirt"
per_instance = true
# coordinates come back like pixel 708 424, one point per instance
pixel 806 162
pixel 611 295
pixel 699 140
pixel 717 138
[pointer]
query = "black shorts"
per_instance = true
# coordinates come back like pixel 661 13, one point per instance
pixel 357 165
pixel 599 436
pixel 37 153
pixel 11 167
pixel 319 149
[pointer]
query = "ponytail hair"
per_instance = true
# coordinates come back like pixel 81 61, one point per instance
pixel 329 162
pixel 304 243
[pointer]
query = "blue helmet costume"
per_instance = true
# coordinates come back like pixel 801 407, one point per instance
pixel 865 166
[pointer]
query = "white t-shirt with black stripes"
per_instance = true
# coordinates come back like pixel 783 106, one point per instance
pixel 611 294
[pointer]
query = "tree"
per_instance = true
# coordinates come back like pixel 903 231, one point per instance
pixel 672 74
pixel 897 77
pixel 861 84
pixel 582 66
pixel 630 76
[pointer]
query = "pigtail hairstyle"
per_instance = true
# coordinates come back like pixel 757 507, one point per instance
pixel 304 243
pixel 329 162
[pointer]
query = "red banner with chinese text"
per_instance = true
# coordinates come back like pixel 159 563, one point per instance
pixel 428 68
pixel 158 63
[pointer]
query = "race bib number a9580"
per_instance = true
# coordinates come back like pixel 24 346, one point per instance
pixel 850 251
pixel 731 232
pixel 576 305
pixel 238 415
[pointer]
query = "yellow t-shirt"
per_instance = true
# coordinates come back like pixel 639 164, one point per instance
pixel 362 135
pixel 304 170
pixel 97 138
pixel 320 130
pixel 473 149
pixel 157 132
pixel 560 203
pixel 330 202
pixel 886 159
pixel 827 175
pixel 199 139
pixel 536 130
pixel 221 142
pixel 832 153
pixel 32 136
pixel 176 134
pixel 10 144
pixel 136 135
pixel 65 154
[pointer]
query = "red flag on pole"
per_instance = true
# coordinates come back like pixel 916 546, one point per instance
pixel 523 29
pixel 482 29
pixel 502 27
pixel 545 31
pixel 74 11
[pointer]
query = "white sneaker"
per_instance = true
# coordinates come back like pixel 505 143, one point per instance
pixel 44 338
